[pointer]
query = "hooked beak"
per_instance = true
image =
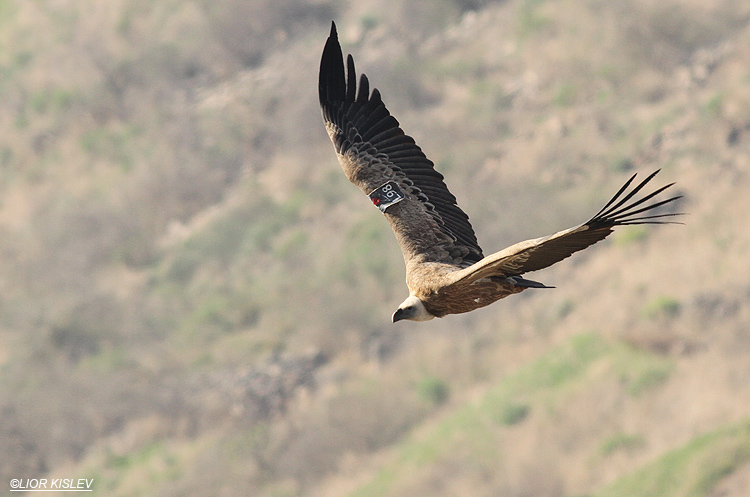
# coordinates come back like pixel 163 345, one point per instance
pixel 398 315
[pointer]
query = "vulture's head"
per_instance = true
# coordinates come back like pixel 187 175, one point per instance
pixel 412 308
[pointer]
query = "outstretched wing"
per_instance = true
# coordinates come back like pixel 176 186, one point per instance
pixel 539 253
pixel 381 160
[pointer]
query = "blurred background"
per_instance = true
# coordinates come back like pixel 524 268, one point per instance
pixel 194 301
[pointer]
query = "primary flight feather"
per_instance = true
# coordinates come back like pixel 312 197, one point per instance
pixel 446 271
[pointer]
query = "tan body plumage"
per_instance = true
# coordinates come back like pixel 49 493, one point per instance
pixel 446 271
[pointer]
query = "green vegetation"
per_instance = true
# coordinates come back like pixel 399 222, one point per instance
pixel 713 106
pixel 662 307
pixel 368 21
pixel 561 366
pixel 630 235
pixel 649 378
pixel 116 146
pixel 512 414
pixel 640 371
pixel 544 386
pixel 692 470
pixel 366 249
pixel 529 18
pixel 467 426
pixel 622 441
pixel 433 390
pixel 566 95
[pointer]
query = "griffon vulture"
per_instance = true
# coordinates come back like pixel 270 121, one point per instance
pixel 446 271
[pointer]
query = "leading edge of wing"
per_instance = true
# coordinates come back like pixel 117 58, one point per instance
pixel 366 124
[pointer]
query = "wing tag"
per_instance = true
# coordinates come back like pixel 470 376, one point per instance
pixel 387 195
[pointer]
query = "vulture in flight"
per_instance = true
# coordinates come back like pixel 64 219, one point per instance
pixel 446 271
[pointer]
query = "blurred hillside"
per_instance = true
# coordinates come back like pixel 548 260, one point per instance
pixel 195 301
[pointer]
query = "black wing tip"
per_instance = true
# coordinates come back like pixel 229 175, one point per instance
pixel 625 213
pixel 337 80
pixel 332 46
pixel 331 78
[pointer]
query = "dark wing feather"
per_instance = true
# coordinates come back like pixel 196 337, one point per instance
pixel 539 253
pixel 364 125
